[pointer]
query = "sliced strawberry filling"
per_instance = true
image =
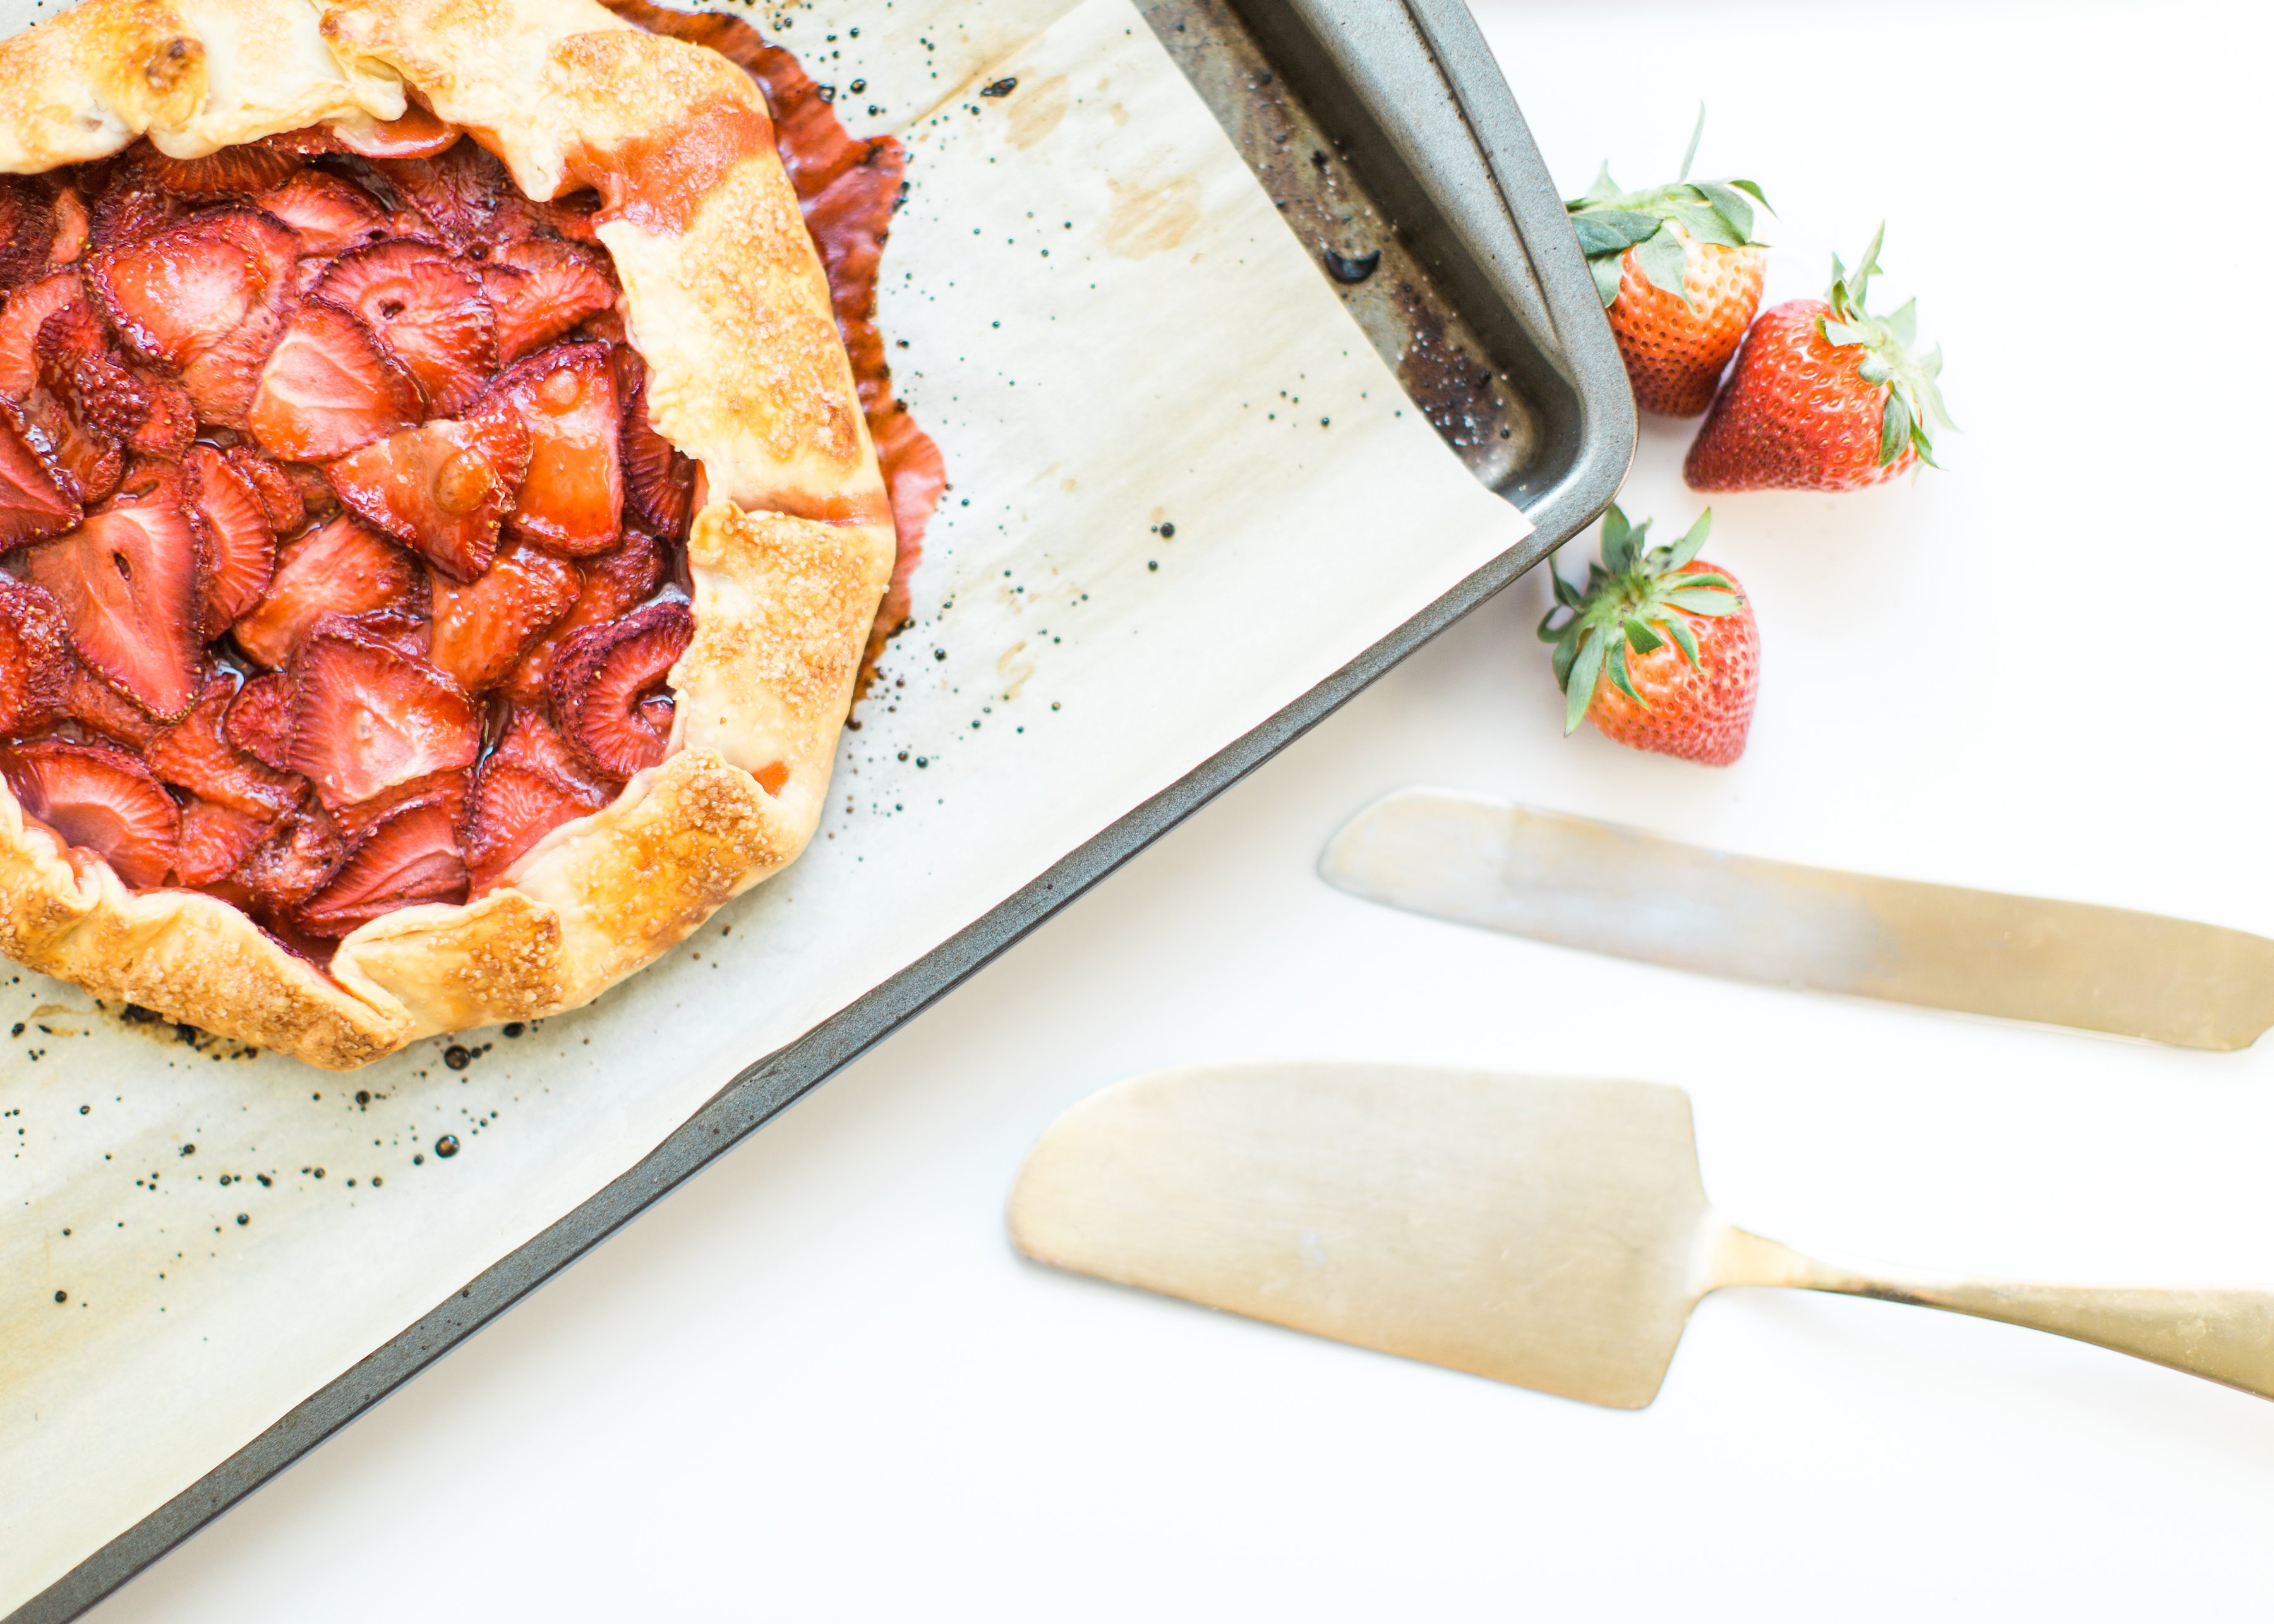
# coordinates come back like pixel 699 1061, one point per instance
pixel 25 313
pixel 293 863
pixel 572 499
pixel 343 568
pixel 215 842
pixel 196 755
pixel 27 229
pixel 658 477
pixel 102 710
pixel 530 785
pixel 482 631
pixel 616 583
pixel 244 549
pixel 443 487
pixel 54 467
pixel 99 799
pixel 542 289
pixel 131 581
pixel 35 657
pixel 409 857
pixel 329 214
pixel 328 387
pixel 368 718
pixel 233 171
pixel 205 297
pixel 280 497
pixel 426 311
pixel 457 190
pixel 259 720
pixel 606 687
pixel 129 210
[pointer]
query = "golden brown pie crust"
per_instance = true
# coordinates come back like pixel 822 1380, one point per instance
pixel 726 301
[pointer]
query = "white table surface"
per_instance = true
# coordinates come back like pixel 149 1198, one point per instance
pixel 817 1384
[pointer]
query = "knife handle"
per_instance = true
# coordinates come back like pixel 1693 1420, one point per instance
pixel 2223 1333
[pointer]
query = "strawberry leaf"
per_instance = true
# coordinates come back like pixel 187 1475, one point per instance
pixel 1840 335
pixel 1894 428
pixel 1685 639
pixel 1904 323
pixel 1705 225
pixel 1665 262
pixel 1566 652
pixel 1703 600
pixel 1580 684
pixel 1606 269
pixel 1729 204
pixel 1611 230
pixel 1616 662
pixel 1755 191
pixel 1693 540
pixel 1547 633
pixel 1641 638
pixel 1566 594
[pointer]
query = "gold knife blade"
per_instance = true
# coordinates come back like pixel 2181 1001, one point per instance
pixel 1578 883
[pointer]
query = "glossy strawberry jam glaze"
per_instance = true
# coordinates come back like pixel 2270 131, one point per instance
pixel 342 561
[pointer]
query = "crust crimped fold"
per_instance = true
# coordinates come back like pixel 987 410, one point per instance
pixel 726 301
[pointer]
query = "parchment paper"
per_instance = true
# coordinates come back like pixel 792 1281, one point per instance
pixel 1113 337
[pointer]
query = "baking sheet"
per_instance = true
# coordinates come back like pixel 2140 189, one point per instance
pixel 1111 334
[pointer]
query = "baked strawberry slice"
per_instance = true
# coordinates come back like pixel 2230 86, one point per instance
pixel 207 297
pixel 84 465
pixel 542 287
pixel 21 318
pixel 72 232
pixel 279 496
pixel 244 549
pixel 457 189
pixel 35 657
pixel 196 755
pixel 27 229
pixel 428 313
pixel 102 710
pixel 614 583
pixel 131 581
pixel 32 501
pixel 528 787
pixel 318 500
pixel 519 218
pixel 409 857
pixel 328 387
pixel 419 134
pixel 658 477
pixel 293 863
pixel 341 567
pixel 329 214
pixel 232 172
pixel 442 487
pixel 259 720
pixel 605 681
pixel 215 841
pixel 368 718
pixel 573 498
pixel 483 629
pixel 101 800
pixel 129 210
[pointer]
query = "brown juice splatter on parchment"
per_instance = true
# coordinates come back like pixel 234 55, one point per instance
pixel 1036 111
pixel 1151 220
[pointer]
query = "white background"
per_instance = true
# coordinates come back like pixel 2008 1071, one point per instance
pixel 817 1384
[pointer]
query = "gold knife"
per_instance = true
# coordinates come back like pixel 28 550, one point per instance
pixel 1549 1232
pixel 1582 883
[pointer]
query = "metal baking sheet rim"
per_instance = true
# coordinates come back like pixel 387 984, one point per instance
pixel 770 1085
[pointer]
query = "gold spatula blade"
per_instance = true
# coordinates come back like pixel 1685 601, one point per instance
pixel 1548 1232
pixel 1611 889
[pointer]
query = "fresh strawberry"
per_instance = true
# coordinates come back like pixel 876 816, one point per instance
pixel 429 313
pixel 528 786
pixel 442 487
pixel 456 190
pixel 129 210
pixel 99 799
pixel 1824 396
pixel 293 863
pixel 233 171
pixel 281 501
pixel 1679 271
pixel 658 477
pixel 543 288
pixel 83 466
pixel 259 720
pixel 131 581
pixel 35 657
pixel 215 842
pixel 236 527
pixel 327 388
pixel 572 500
pixel 367 719
pixel 614 583
pixel 482 629
pixel 21 318
pixel 196 755
pixel 205 296
pixel 602 678
pixel 329 214
pixel 341 567
pixel 1661 651
pixel 409 857
pixel 27 230
pixel 102 710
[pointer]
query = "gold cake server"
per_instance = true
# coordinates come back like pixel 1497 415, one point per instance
pixel 1583 883
pixel 1550 1233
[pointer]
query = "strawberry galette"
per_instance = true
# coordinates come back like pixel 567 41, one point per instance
pixel 441 525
